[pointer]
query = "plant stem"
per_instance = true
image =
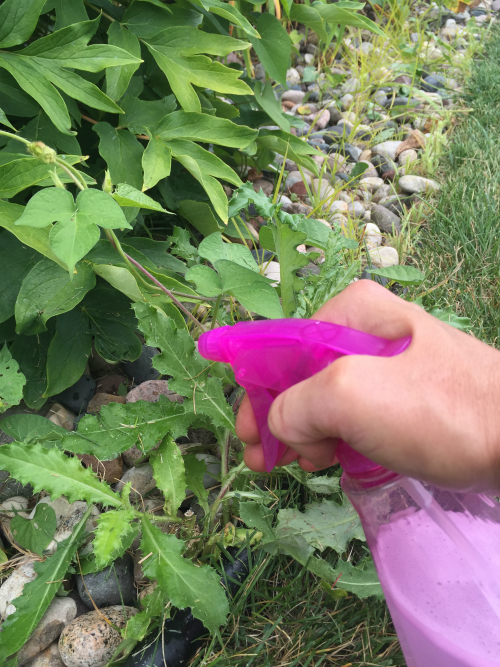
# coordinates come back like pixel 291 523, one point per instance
pixel 216 310
pixel 14 136
pixel 129 260
pixel 225 488
pixel 73 173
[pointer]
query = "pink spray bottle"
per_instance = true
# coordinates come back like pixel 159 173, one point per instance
pixel 437 552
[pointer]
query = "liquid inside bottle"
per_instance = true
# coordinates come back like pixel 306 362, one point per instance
pixel 437 554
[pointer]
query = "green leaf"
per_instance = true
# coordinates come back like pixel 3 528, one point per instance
pixel 30 427
pixel 176 53
pixel 264 96
pixel 47 206
pixel 16 261
pixel 113 536
pixel 32 360
pixel 361 579
pixel 290 260
pixel 168 466
pixel 214 248
pixel 359 169
pixel 323 484
pixel 144 115
pixel 11 380
pixel 260 517
pixel 156 162
pixel 122 153
pixel 5 121
pixel 228 12
pixel 35 534
pixel 69 12
pixel 121 279
pixel 53 471
pixel 18 19
pixel 208 129
pixel 322 525
pixel 404 275
pixel 252 290
pixel 273 48
pixel 126 195
pixel 310 17
pixel 118 79
pixel 195 471
pixel 119 427
pixel 38 594
pixel 342 16
pixel 206 280
pixel 317 233
pixel 200 215
pixel 180 359
pixel 447 315
pixel 41 128
pixel 68 352
pixel 48 290
pixel 287 144
pixel 21 172
pixel 185 584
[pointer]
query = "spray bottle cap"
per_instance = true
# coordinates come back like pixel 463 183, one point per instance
pixel 270 356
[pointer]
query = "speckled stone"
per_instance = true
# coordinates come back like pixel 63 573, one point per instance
pixel 89 641
pixel 151 390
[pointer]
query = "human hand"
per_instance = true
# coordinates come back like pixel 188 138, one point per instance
pixel 431 412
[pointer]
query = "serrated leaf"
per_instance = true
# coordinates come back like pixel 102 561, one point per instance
pixel 113 536
pixel 168 466
pixel 260 517
pixel 119 427
pixel 214 248
pixel 52 471
pixel 323 484
pixel 404 275
pixel 185 584
pixel 30 427
pixel 180 359
pixel 362 579
pixel 208 129
pixel 35 534
pixel 48 291
pixel 447 315
pixel 176 51
pixel 126 195
pixel 322 525
pixel 11 380
pixel 38 594
pixel 290 260
pixel 195 470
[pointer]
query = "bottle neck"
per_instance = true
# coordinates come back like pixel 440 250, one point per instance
pixel 361 482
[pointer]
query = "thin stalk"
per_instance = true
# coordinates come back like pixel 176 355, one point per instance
pixel 248 63
pixel 224 471
pixel 216 310
pixel 225 488
pixel 15 136
pixel 73 174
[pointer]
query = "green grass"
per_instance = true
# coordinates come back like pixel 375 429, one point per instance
pixel 464 232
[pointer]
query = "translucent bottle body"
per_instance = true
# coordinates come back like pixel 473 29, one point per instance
pixel 437 554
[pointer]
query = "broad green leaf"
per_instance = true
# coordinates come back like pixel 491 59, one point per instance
pixel 405 275
pixel 310 17
pixel 38 594
pixel 104 303
pixel 176 53
pixel 168 466
pixel 126 195
pixel 323 484
pixel 228 12
pixel 322 525
pixel 22 172
pixel 204 166
pixel 253 291
pixel 119 427
pixel 244 195
pixel 144 115
pixel 447 315
pixel 156 252
pixel 362 579
pixel 317 233
pixel 41 128
pixel 145 21
pixel 206 280
pixel 185 584
pixel 35 534
pixel 5 121
pixel 47 291
pixel 69 12
pixel 68 352
pixel 8 330
pixel 260 517
pixel 11 380
pixel 53 471
pixel 121 279
pixel 207 129
pixel 18 19
pixel 200 215
pixel 214 248
pixel 30 427
pixel 16 261
pixel 118 78
pixel 342 16
pixel 63 43
pixel 32 360
pixel 72 239
pixel 195 471
pixel 156 162
pixel 122 153
pixel 287 144
pixel 273 48
pixel 290 260
pixel 180 359
pixel 264 96
pixel 47 206
pixel 113 535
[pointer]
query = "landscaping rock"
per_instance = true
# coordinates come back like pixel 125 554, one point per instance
pixel 15 506
pixel 13 586
pixel 60 612
pixel 263 256
pixel 433 83
pixel 356 209
pixel 110 471
pixel 77 397
pixel 372 235
pixel 142 369
pixel 413 184
pixel 89 641
pixel 272 271
pixel 295 96
pixel 387 149
pixel 50 657
pixel 408 157
pixel 383 257
pixel 385 220
pixel 113 585
pixel 151 391
pixel 96 403
pixel 371 184
pixel 73 514
pixel 60 416
pixel 141 479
